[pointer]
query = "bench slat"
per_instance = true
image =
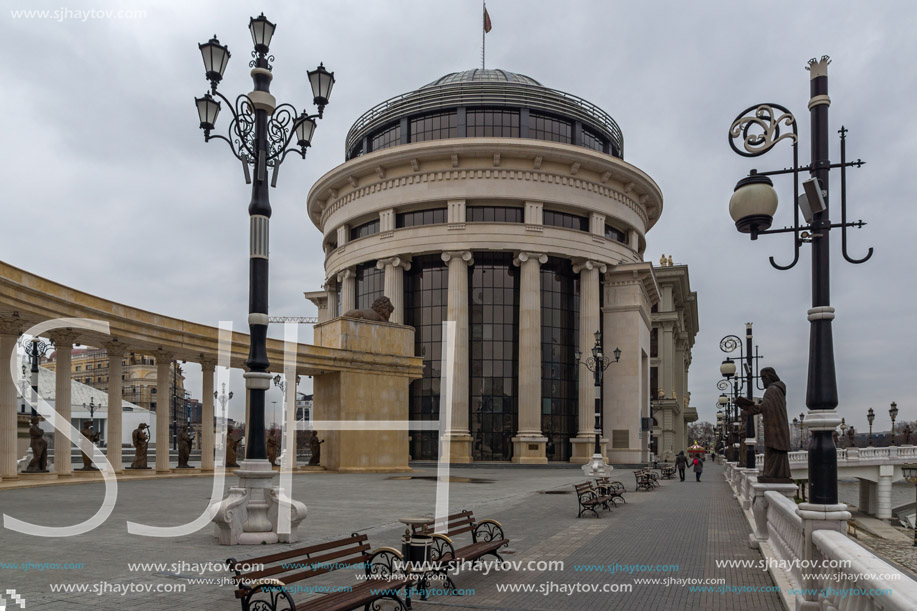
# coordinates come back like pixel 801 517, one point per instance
pixel 358 596
pixel 302 551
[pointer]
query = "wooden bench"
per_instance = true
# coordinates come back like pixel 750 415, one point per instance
pixel 486 538
pixel 268 589
pixel 589 498
pixel 614 489
pixel 668 471
pixel 643 480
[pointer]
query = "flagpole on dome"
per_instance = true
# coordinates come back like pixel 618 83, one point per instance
pixel 486 29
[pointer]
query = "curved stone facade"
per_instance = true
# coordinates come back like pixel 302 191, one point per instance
pixel 530 245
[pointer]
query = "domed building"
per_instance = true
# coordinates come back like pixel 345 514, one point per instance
pixel 489 199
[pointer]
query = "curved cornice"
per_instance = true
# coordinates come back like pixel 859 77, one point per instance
pixel 502 158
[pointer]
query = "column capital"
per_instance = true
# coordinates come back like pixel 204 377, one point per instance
pixel 463 255
pixel 63 337
pixel 11 327
pixel 522 256
pixel 163 355
pixel 587 264
pixel 115 347
pixel 207 365
pixel 346 274
pixel 399 261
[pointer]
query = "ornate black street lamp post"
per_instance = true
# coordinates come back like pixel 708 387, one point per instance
pixel 92 412
pixel 870 417
pixel 893 412
pixel 597 364
pixel 752 207
pixel 35 349
pixel 843 433
pixel 749 360
pixel 259 135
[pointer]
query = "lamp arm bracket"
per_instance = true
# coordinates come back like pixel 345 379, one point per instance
pixel 844 224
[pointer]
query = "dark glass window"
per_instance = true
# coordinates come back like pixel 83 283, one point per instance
pixel 357 150
pixel 559 334
pixel 543 127
pixel 593 141
pixel 370 284
pixel 654 383
pixel 494 343
pixel 494 214
pixel 435 216
pixel 567 220
pixel 615 234
pixel 361 231
pixel 387 137
pixel 425 303
pixel 434 127
pixel 654 342
pixel 488 123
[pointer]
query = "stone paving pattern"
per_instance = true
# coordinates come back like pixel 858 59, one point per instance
pixel 689 524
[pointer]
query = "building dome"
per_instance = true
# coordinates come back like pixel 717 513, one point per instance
pixel 484 76
pixel 438 110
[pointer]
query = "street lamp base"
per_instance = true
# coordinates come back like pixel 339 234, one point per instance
pixel 597 467
pixel 249 515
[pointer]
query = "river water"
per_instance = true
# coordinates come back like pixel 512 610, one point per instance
pixel 848 491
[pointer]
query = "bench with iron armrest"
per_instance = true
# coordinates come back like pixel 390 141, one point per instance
pixel 589 498
pixel 486 538
pixel 654 478
pixel 643 480
pixel 267 589
pixel 668 471
pixel 613 489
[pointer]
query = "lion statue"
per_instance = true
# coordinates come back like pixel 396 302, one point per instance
pixel 380 311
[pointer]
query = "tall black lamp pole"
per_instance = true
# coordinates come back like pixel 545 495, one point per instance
pixel 259 136
pixel 752 207
pixel 597 364
pixel 749 358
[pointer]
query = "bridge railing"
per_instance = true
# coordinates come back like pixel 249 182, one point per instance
pixel 866 573
pixel 785 532
pixel 889 454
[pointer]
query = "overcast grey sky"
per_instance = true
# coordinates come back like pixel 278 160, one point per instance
pixel 109 187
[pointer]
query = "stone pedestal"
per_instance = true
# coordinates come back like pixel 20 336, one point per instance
pixel 584 448
pixel 530 450
pixel 597 467
pixel 749 479
pixel 759 508
pixel 459 447
pixel 249 513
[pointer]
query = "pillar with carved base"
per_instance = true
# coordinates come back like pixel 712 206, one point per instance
pixel 347 281
pixel 458 436
pixel 529 445
pixel 8 418
pixel 163 409
pixel 63 347
pixel 393 283
pixel 759 508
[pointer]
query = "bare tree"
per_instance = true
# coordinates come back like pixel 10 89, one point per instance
pixel 702 432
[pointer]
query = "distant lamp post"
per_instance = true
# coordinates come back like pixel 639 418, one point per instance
pixel 92 412
pixel 893 412
pixel 910 474
pixel 597 364
pixel 907 434
pixel 798 433
pixel 260 134
pixel 223 398
pixel 870 416
pixel 843 433
pixel 749 360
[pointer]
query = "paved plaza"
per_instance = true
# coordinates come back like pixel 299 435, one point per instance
pixel 691 525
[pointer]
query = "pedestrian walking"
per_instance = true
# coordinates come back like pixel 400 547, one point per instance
pixel 681 462
pixel 698 467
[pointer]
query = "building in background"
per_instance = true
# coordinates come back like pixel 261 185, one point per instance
pixel 489 199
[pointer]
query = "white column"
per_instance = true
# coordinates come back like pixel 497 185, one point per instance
pixel 115 352
pixel 589 323
pixel 884 492
pixel 207 433
pixel 458 435
pixel 163 410
pixel 8 418
pixel 63 345
pixel 529 443
pixel 394 284
pixel 331 289
pixel 289 462
pixel 347 281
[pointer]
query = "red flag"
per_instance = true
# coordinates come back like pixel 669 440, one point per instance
pixel 487 25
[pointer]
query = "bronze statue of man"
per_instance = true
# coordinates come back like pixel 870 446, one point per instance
pixel 776 427
pixel 184 446
pixel 140 439
pixel 39 445
pixel 273 445
pixel 315 446
pixel 87 431
pixel 233 439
